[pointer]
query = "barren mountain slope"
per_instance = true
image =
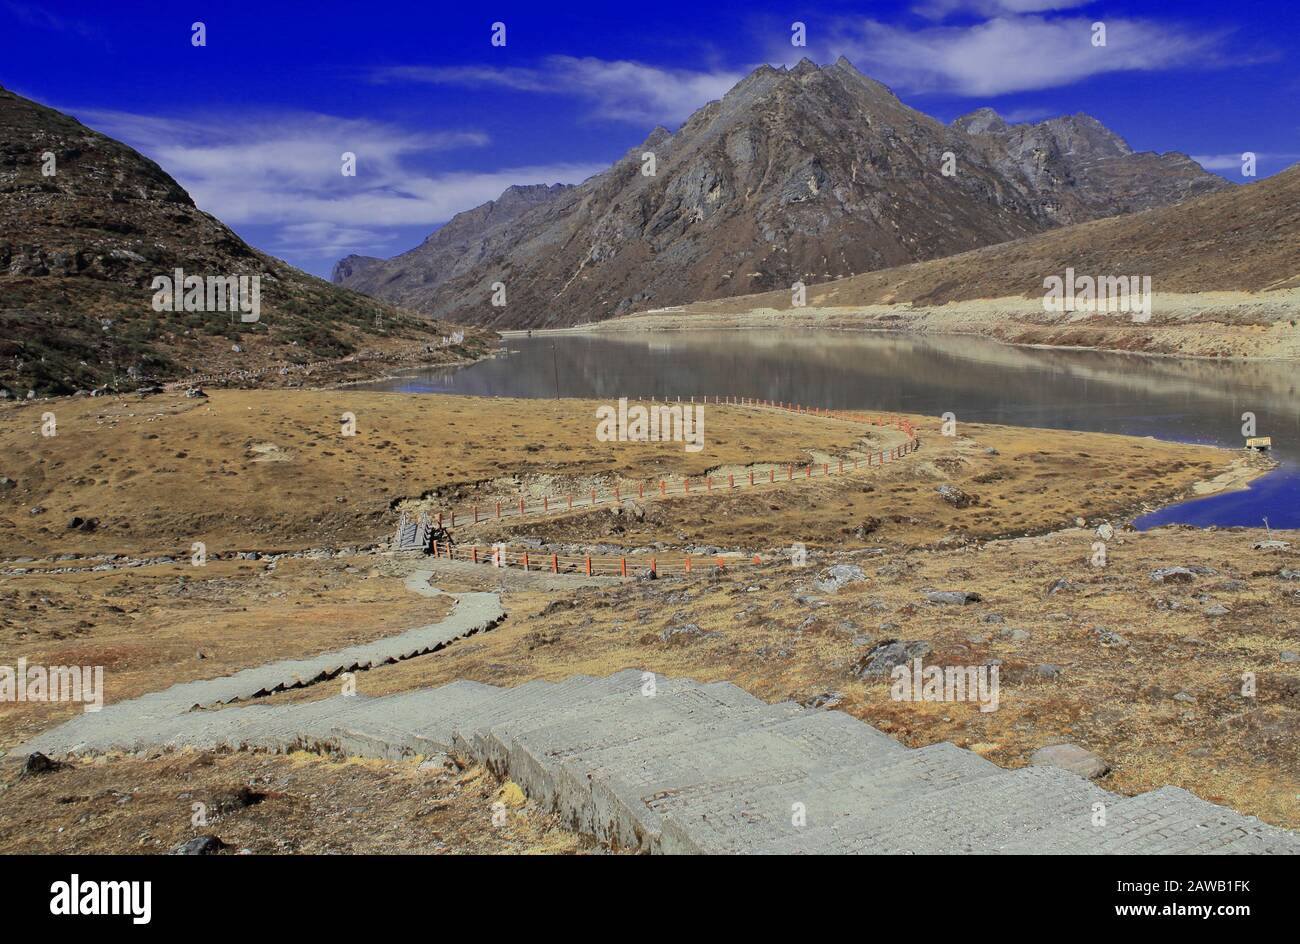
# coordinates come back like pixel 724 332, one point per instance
pixel 1245 239
pixel 79 250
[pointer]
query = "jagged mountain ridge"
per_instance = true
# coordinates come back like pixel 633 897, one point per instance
pixel 808 173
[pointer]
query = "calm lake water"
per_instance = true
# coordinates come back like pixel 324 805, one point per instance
pixel 980 381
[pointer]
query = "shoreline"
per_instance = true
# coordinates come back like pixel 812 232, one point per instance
pixel 986 319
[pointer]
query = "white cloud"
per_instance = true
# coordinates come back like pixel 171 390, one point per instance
pixel 940 9
pixel 285 172
pixel 1234 162
pixel 620 90
pixel 1028 114
pixel 1017 53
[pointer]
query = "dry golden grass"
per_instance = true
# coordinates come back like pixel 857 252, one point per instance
pixel 147 626
pixel 1035 480
pixel 268 470
pixel 301 803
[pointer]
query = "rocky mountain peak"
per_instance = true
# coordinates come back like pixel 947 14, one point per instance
pixel 801 173
pixel 981 121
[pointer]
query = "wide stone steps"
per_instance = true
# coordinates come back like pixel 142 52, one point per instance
pixel 677 766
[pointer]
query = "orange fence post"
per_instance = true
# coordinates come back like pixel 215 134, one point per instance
pixel 593 496
pixel 751 476
pixel 570 503
pixel 686 485
pixel 622 566
pixel 525 560
pixel 826 468
pixel 789 476
pixel 476 514
pixel 771 474
pixel 555 563
pixel 588 565
pixel 546 504
pixel 688 563
pixel 731 480
pixel 474 551
pixel 654 568
pixel 521 506
pixel 498 509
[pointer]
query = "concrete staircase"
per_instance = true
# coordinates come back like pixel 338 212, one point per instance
pixel 413 534
pixel 707 768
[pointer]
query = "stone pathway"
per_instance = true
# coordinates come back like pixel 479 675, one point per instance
pixel 678 766
pixel 130 721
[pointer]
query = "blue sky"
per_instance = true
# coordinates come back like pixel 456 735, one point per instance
pixel 253 123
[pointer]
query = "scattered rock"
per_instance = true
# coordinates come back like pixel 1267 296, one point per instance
pixel 1071 757
pixel 885 655
pixel 961 597
pixel 992 618
pixel 1047 671
pixel 439 764
pixel 1185 697
pixel 1109 639
pixel 1173 575
pixel 1216 609
pixel 1290 656
pixel 822 700
pixel 237 798
pixel 955 496
pixel 686 632
pixel 1060 585
pixel 838 576
pixel 555 606
pixel 1014 635
pixel 1271 545
pixel 38 763
pixel 199 845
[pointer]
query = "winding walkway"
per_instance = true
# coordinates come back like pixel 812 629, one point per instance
pixel 148 719
pixel 673 765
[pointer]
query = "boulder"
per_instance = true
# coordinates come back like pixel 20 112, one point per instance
pixel 839 575
pixel 960 597
pixel 1071 757
pixel 199 845
pixel 882 658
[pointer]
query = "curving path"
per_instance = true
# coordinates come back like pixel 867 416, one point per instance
pixel 149 718
pixel 674 765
